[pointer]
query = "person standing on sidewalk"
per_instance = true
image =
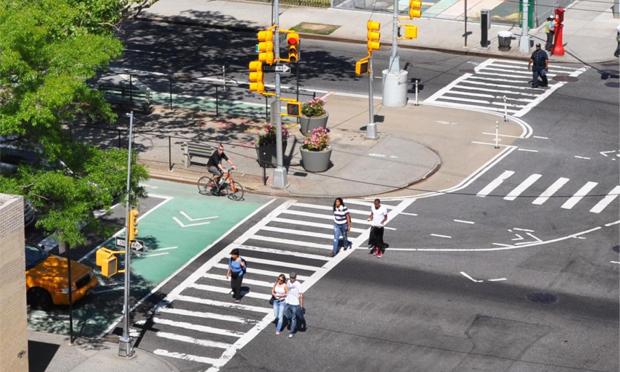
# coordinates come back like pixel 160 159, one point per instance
pixel 540 62
pixel 279 293
pixel 342 225
pixel 236 270
pixel 294 302
pixel 378 217
pixel 550 31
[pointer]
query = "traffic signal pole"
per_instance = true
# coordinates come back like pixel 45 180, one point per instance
pixel 394 58
pixel 279 173
pixel 394 79
pixel 125 348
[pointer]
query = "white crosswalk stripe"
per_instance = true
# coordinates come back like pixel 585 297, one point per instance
pixel 569 201
pixel 201 307
pixel 493 80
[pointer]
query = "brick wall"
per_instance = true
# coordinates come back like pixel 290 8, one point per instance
pixel 13 324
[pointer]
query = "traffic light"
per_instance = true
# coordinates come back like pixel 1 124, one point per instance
pixel 133 226
pixel 374 36
pixel 410 32
pixel 293 108
pixel 292 38
pixel 415 9
pixel 265 47
pixel 361 66
pixel 256 77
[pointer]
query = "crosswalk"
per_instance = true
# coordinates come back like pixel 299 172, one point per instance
pixel 199 326
pixel 501 85
pixel 598 198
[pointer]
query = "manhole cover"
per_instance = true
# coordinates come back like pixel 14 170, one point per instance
pixel 570 79
pixel 616 248
pixel 542 297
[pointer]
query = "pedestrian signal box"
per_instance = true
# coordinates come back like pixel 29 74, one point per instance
pixel 361 66
pixel 374 36
pixel 293 108
pixel 108 262
pixel 409 32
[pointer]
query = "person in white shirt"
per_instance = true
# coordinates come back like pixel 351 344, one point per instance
pixel 294 302
pixel 378 217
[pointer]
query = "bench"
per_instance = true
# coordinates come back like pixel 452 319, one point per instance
pixel 192 149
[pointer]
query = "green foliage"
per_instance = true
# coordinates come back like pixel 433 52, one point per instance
pixel 313 108
pixel 49 49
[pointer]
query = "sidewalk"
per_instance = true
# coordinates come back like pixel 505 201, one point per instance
pixel 414 143
pixel 52 353
pixel 589 31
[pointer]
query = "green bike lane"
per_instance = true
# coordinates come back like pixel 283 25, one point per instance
pixel 176 224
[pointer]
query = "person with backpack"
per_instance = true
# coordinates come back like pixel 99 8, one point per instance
pixel 236 270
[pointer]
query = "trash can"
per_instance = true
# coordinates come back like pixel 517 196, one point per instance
pixel 503 39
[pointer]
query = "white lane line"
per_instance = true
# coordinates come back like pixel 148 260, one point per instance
pixel 469 107
pixel 188 357
pixel 204 301
pixel 583 191
pixel 613 194
pixel 197 219
pixel 581 157
pixel 290 242
pixel 464 221
pixel 612 223
pixel 408 214
pixel 550 191
pixel 541 137
pixel 329 208
pixel 527 150
pixel 522 229
pixel 512 195
pixel 489 144
pixel 163 249
pixel 255 271
pixel 156 254
pixel 193 327
pixel 497 279
pixel 313 224
pixel 203 314
pixel 251 259
pixel 501 245
pixel 495 183
pixel 615 262
pixel 501 135
pixel 470 278
pixel 192 340
pixel 441 236
pixel 223 290
pixel 298 232
pixel 244 247
pixel 260 283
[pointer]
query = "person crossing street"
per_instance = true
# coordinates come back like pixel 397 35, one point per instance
pixel 378 217
pixel 342 226
pixel 538 63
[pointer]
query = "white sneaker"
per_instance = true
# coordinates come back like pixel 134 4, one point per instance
pixel 291 335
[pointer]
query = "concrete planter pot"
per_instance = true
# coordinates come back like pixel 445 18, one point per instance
pixel 309 123
pixel 316 161
pixel 266 154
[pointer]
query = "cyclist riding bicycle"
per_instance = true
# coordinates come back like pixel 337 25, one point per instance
pixel 214 165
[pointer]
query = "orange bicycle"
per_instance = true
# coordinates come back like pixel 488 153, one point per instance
pixel 227 186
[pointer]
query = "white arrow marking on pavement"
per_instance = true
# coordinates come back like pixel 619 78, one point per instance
pixel 191 224
pixel 604 153
pixel 197 219
pixel 470 278
pixel 519 237
pixel 497 279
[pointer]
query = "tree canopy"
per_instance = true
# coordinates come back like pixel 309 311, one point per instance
pixel 49 50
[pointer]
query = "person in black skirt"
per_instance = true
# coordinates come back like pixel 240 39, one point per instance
pixel 378 217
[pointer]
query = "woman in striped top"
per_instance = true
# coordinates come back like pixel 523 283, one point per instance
pixel 342 225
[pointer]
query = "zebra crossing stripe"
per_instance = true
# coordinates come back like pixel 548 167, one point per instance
pixel 189 357
pixel 192 340
pixel 580 194
pixel 222 290
pixel 550 191
pixel 193 327
pixel 312 224
pixel 522 187
pixel 328 208
pixel 495 183
pixel 297 232
pixel 283 252
pixel 323 216
pixel 205 301
pixel 281 263
pixel 203 314
pixel 290 242
pixel 260 283
pixel 252 270
pixel 613 194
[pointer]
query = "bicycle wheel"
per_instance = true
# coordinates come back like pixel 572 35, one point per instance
pixel 205 185
pixel 237 196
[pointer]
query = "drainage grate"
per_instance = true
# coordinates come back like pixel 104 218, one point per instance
pixel 616 248
pixel 567 78
pixel 542 297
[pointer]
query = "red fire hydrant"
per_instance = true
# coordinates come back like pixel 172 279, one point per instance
pixel 558 46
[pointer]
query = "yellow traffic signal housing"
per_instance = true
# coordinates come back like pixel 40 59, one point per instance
pixel 410 32
pixel 361 66
pixel 256 77
pixel 107 260
pixel 374 35
pixel 293 108
pixel 265 47
pixel 133 226
pixel 415 9
pixel 292 38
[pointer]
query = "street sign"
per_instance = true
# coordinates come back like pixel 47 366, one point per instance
pixel 120 242
pixel 138 245
pixel 283 68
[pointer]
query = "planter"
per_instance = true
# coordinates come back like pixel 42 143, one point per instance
pixel 309 123
pixel 315 161
pixel 266 154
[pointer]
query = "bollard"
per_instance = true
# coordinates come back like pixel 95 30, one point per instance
pixel 496 134
pixel 170 92
pixel 416 93
pixel 505 109
pixel 169 153
pixel 217 102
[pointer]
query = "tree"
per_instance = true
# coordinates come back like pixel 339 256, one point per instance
pixel 49 49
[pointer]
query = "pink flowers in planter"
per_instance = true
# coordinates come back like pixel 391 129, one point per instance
pixel 318 140
pixel 270 135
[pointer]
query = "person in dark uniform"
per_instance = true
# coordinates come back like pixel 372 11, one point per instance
pixel 540 62
pixel 214 165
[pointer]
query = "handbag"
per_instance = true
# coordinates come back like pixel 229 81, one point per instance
pixel 272 299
